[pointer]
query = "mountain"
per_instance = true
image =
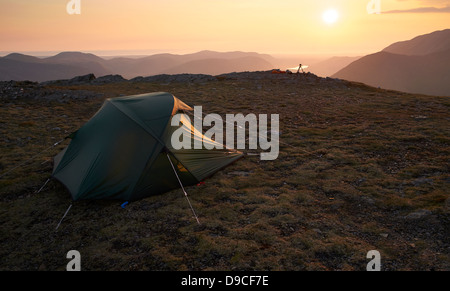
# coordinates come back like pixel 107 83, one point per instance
pixel 428 74
pixel 218 66
pixel 22 58
pixel 67 65
pixel 410 69
pixel 74 57
pixel 203 62
pixel 434 42
pixel 22 67
pixel 145 66
pixel 28 68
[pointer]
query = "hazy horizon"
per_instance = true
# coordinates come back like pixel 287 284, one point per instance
pixel 143 53
pixel 301 28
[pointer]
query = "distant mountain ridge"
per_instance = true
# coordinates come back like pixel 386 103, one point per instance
pixel 434 42
pixel 421 65
pixel 67 65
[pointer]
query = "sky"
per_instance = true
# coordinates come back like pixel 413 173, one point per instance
pixel 276 27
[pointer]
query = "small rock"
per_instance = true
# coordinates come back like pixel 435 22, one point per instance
pixel 82 79
pixel 317 230
pixel 367 200
pixel 360 181
pixel 421 181
pixel 419 214
pixel 447 203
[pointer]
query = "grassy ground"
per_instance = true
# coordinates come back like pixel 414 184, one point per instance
pixel 359 169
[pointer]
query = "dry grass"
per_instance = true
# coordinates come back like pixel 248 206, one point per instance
pixel 354 162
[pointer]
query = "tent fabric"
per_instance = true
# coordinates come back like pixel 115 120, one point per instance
pixel 121 152
pixel 200 162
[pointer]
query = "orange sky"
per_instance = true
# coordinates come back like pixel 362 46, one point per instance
pixel 183 26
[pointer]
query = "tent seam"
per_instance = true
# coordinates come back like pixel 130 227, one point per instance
pixel 152 134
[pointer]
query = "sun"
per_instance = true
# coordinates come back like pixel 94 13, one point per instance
pixel 330 16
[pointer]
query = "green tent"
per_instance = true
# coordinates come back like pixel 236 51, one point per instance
pixel 124 151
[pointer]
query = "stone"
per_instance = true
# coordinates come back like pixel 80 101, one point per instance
pixel 419 214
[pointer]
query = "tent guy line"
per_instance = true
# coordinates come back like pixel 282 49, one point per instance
pixel 235 124
pixel 32 158
pixel 65 214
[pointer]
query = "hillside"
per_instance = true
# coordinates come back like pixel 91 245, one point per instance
pixel 359 169
pixel 427 74
pixel 438 41
pixel 420 65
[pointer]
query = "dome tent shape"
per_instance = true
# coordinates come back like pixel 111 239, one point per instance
pixel 122 151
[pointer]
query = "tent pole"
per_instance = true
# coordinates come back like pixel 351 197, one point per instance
pixel 185 194
pixel 43 186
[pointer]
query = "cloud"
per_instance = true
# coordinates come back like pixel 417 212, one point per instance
pixel 422 10
pixel 430 2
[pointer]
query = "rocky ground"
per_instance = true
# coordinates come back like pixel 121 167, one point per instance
pixel 359 169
